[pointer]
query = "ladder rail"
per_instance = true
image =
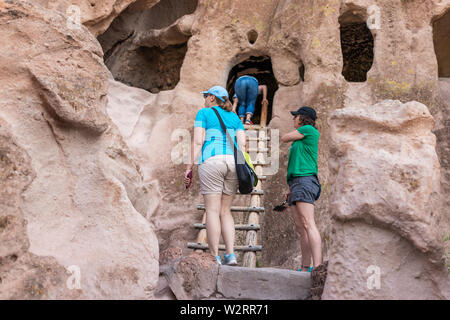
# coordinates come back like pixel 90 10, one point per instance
pixel 251 237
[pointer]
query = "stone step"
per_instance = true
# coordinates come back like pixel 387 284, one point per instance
pixel 233 283
pixel 236 226
pixel 204 246
pixel 263 283
pixel 237 208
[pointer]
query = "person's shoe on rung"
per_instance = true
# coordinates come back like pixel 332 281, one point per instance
pixel 230 259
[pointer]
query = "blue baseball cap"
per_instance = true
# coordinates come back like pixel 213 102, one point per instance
pixel 218 92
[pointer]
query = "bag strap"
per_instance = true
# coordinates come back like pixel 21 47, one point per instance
pixel 224 128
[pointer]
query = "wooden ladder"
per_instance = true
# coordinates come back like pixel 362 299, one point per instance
pixel 257 137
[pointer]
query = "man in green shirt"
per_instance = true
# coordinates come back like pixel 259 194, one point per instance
pixel 304 186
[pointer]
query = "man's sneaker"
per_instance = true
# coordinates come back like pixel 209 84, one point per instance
pixel 219 261
pixel 230 259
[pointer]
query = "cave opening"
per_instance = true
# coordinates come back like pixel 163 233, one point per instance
pixel 144 48
pixel 441 39
pixel 357 45
pixel 150 68
pixel 259 67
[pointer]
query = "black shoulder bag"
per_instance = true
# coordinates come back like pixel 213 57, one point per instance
pixel 245 173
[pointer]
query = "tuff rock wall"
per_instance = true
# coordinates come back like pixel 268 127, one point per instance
pixel 105 158
pixel 73 197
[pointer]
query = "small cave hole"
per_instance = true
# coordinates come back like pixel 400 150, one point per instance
pixel 357 45
pixel 4 221
pixel 151 68
pixel 259 67
pixel 441 39
pixel 252 36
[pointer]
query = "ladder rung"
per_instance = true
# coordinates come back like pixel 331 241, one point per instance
pixel 258 150
pixel 203 246
pixel 255 192
pixel 237 208
pixel 259 163
pixel 257 139
pixel 253 127
pixel 236 226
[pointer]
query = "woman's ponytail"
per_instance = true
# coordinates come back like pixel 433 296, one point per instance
pixel 227 105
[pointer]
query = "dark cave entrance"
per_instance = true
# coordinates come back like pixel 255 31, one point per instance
pixel 357 45
pixel 151 68
pixel 441 39
pixel 260 68
pixel 142 47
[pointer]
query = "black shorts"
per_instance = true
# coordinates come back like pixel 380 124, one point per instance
pixel 304 189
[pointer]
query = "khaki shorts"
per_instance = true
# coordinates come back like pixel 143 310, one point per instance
pixel 218 175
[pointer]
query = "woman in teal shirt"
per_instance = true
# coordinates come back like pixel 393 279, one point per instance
pixel 304 186
pixel 216 168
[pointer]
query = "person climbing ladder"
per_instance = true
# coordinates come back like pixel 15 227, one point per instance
pixel 214 153
pixel 246 91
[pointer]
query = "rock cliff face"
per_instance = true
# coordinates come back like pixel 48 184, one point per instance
pixel 93 121
pixel 303 40
pixel 73 196
pixel 385 204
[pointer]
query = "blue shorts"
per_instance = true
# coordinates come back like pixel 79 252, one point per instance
pixel 304 189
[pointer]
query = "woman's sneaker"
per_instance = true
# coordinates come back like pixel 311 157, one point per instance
pixel 308 269
pixel 219 261
pixel 230 259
